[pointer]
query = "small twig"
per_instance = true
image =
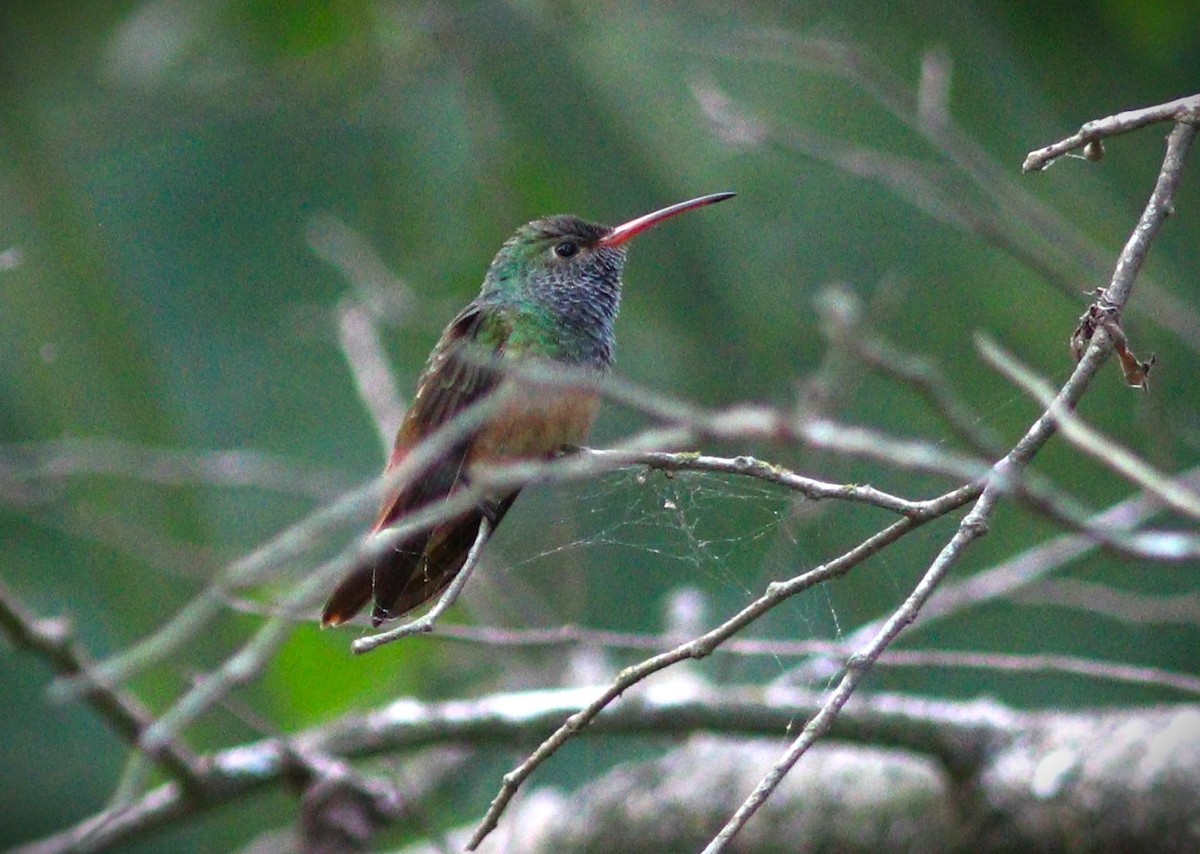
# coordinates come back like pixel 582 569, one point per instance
pixel 358 337
pixel 1180 609
pixel 1186 683
pixel 426 623
pixel 1181 110
pixel 912 454
pixel 170 467
pixel 748 466
pixel 1019 573
pixel 566 635
pixel 1110 671
pixel 1089 440
pixel 1158 208
pixel 1128 607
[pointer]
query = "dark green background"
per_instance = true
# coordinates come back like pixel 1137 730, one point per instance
pixel 160 163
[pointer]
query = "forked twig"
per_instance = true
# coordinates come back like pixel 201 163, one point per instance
pixel 1181 110
pixel 702 646
pixel 1091 441
pixel 973 526
pixel 425 624
pixel 975 523
pixel 121 710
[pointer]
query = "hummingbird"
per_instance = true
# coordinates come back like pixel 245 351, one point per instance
pixel 550 295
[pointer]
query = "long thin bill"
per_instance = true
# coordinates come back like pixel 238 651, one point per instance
pixel 626 231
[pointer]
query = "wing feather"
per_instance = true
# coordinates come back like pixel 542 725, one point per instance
pixel 422 565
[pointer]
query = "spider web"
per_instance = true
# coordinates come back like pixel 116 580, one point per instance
pixel 642 538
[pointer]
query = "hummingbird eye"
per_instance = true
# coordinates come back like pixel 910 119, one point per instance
pixel 565 249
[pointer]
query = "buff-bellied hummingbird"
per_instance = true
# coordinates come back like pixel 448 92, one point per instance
pixel 551 294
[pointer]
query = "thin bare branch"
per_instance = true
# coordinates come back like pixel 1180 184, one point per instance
pixel 1089 440
pixel 1111 671
pixel 426 623
pixel 1019 573
pixel 1161 205
pixel 911 454
pixel 1123 605
pixel 113 457
pixel 358 337
pixel 975 523
pixel 703 646
pixel 53 641
pixel 748 466
pixel 1181 110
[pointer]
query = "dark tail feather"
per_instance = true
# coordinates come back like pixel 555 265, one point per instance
pixel 377 577
pixel 349 597
pixel 415 572
pixel 445 553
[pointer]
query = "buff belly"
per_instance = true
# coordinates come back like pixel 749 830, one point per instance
pixel 535 422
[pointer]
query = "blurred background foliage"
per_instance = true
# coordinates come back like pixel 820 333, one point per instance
pixel 167 168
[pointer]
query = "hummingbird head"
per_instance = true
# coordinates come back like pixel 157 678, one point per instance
pixel 548 258
pixel 562 274
pixel 563 284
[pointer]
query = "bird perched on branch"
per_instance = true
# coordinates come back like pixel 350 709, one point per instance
pixel 550 295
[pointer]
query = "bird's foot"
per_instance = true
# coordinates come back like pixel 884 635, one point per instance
pixel 492 511
pixel 570 450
